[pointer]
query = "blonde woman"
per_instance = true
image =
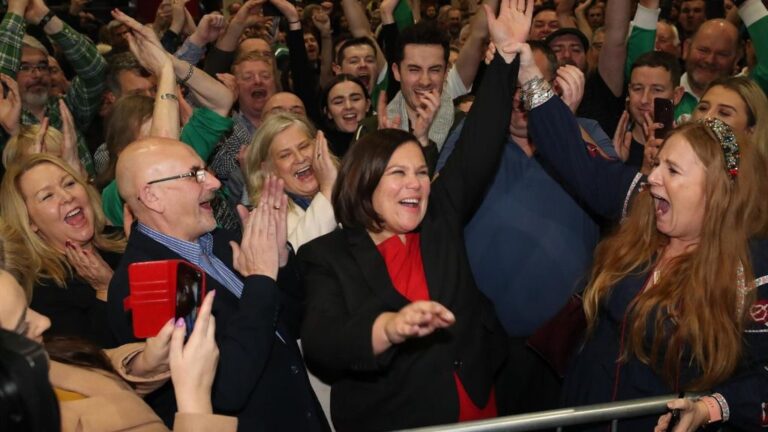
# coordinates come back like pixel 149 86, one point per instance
pixel 72 251
pixel 290 148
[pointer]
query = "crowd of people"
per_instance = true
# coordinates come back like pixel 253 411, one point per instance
pixel 406 212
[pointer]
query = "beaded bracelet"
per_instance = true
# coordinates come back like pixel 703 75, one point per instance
pixel 186 78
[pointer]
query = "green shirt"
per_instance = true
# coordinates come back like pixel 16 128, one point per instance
pixel 202 132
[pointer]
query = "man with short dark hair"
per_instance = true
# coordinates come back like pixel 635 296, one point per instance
pixel 653 75
pixel 692 15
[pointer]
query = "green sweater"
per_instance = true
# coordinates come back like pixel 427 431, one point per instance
pixel 203 130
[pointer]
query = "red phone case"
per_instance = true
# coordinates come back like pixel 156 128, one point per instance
pixel 152 298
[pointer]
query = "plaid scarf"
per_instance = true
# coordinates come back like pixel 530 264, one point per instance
pixel 441 124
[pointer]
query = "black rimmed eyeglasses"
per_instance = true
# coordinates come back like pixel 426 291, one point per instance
pixel 198 174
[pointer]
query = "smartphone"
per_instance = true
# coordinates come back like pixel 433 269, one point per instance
pixel 161 290
pixel 664 113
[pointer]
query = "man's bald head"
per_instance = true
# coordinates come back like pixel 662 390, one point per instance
pixel 144 160
pixel 284 102
pixel 166 186
pixel 711 53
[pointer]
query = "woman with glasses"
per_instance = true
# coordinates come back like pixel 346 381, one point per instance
pixel 72 251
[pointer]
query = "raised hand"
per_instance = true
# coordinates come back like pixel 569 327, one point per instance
pixel 278 201
pixel 193 366
pixel 512 24
pixel 287 9
pixel 249 14
pixel 429 103
pixel 323 165
pixel 209 29
pixel 17 7
pixel 144 44
pixel 323 23
pixel 36 10
pixel 570 81
pixel 257 253
pixel 69 144
pixel 387 11
pixel 384 121
pixel 622 138
pixel 89 265
pixel 652 144
pixel 10 105
pixel 39 145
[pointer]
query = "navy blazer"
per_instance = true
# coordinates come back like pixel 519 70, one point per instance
pixel 260 377
pixel 348 286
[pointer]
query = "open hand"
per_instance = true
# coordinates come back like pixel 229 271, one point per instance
pixel 512 24
pixel 10 105
pixel 323 165
pixel 69 144
pixel 89 265
pixel 257 253
pixel 144 44
pixel 418 319
pixel 622 138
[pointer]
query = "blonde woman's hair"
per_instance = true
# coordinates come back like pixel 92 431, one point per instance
pixel 257 154
pixel 47 262
pixel 21 144
pixel 15 258
pixel 695 309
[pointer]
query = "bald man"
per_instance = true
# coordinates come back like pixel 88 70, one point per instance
pixel 711 53
pixel 261 377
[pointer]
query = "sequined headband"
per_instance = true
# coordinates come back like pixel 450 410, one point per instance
pixel 728 143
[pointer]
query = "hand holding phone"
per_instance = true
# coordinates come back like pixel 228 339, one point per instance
pixel 193 365
pixel 162 290
pixel 663 113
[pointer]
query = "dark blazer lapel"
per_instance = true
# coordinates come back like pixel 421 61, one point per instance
pixel 374 270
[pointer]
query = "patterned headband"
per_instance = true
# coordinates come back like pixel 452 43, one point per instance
pixel 728 143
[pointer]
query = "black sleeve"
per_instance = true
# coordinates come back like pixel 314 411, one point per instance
pixel 170 41
pixel 245 341
pixel 218 61
pixel 291 296
pixel 304 77
pixel 390 44
pixel 474 160
pixel 604 185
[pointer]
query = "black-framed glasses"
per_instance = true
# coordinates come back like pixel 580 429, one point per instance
pixel 198 174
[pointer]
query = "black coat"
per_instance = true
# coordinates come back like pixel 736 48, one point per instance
pixel 260 379
pixel 348 287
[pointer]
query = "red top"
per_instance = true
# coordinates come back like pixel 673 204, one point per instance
pixel 406 270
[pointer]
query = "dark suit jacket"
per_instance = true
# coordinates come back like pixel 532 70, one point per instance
pixel 348 287
pixel 260 378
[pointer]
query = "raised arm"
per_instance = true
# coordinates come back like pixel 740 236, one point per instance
pixel 642 36
pixel 614 52
pixel 755 17
pixel 604 185
pixel 11 32
pixel 359 26
pixel 471 53
pixel 471 167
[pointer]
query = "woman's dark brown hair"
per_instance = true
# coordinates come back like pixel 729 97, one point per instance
pixel 359 176
pixel 77 351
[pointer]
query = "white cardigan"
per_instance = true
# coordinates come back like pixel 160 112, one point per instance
pixel 305 225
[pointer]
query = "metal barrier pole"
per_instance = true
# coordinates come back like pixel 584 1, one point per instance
pixel 562 417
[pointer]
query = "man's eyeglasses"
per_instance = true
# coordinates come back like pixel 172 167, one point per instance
pixel 198 174
pixel 28 67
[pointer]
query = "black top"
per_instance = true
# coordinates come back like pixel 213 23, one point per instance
pixel 599 103
pixel 348 287
pixel 74 309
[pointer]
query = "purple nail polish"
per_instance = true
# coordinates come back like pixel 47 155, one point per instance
pixel 180 322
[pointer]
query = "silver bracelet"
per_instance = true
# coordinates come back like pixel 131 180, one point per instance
pixel 535 92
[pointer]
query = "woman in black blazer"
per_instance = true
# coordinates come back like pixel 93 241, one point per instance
pixel 396 359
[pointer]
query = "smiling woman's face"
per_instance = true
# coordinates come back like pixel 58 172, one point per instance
pixel 58 205
pixel 290 158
